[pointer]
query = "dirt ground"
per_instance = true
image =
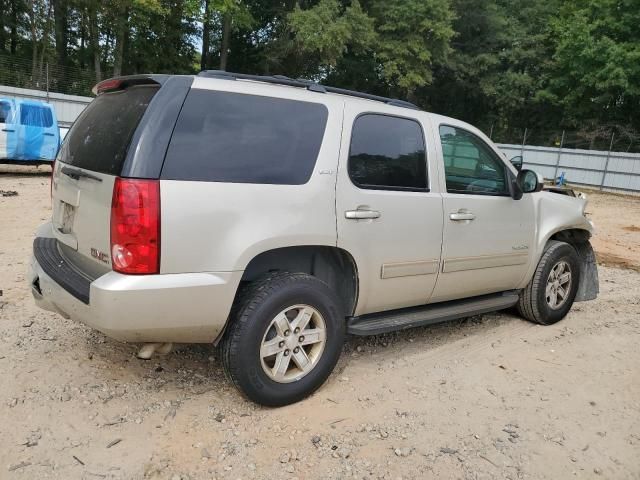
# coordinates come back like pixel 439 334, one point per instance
pixel 486 397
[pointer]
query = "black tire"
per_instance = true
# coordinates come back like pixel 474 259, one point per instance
pixel 257 304
pixel 533 304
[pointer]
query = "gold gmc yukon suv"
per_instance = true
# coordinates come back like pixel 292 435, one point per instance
pixel 270 217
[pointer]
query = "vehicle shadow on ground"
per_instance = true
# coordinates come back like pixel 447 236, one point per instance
pixel 196 368
pixel 27 171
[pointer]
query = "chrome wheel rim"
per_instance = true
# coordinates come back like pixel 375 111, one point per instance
pixel 558 285
pixel 293 343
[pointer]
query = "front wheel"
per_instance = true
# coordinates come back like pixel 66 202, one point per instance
pixel 284 339
pixel 549 295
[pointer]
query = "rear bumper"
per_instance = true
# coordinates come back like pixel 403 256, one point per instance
pixel 182 308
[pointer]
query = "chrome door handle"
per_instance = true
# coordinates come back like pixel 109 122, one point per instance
pixel 361 214
pixel 461 216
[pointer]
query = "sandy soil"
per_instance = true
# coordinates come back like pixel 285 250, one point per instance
pixel 486 397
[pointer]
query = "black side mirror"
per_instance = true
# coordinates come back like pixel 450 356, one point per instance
pixel 529 181
pixel 517 162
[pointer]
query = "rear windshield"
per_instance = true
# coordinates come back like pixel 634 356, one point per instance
pixel 240 138
pixel 100 137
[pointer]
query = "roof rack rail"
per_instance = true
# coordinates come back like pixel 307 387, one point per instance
pixel 302 83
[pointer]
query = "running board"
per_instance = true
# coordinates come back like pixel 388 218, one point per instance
pixel 383 322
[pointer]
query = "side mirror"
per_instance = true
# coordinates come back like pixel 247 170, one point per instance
pixel 529 181
pixel 517 162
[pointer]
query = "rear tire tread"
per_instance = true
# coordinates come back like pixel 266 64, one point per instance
pixel 249 298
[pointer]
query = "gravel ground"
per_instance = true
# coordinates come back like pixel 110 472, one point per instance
pixel 486 397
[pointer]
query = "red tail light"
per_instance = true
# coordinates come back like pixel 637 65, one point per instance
pixel 135 226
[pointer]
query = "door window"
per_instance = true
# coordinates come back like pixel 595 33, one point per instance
pixel 5 112
pixel 387 153
pixel 470 165
pixel 34 116
pixel 240 138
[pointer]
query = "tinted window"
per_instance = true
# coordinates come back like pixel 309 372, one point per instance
pixel 470 165
pixel 100 136
pixel 5 112
pixel 237 138
pixel 35 116
pixel 387 152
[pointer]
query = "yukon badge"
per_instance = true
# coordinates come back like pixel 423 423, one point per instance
pixel 520 247
pixel 97 254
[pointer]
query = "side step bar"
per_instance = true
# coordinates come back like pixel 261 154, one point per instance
pixel 383 322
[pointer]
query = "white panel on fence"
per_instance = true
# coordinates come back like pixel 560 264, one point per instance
pixel 582 166
pixel 543 157
pixel 619 164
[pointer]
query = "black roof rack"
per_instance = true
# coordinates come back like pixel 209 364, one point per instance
pixel 302 83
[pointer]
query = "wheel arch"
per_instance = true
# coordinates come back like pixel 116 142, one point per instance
pixel 333 265
pixel 589 286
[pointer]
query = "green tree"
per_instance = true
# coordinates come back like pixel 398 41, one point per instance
pixel 596 65
pixel 414 36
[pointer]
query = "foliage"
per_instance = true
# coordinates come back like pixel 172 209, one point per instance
pixel 500 64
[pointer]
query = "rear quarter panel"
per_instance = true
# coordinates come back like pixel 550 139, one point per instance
pixel 219 227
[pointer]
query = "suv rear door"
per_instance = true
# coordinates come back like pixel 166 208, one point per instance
pixel 388 218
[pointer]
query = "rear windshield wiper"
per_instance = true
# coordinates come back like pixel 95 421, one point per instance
pixel 76 174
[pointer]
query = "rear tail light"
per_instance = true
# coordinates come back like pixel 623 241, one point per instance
pixel 135 226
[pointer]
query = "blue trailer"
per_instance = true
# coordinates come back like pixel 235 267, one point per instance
pixel 29 132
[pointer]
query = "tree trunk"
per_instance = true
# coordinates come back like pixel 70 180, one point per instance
pixel 94 41
pixel 83 36
pixel 123 20
pixel 206 32
pixel 13 36
pixel 34 41
pixel 60 17
pixel 3 36
pixel 60 14
pixel 45 39
pixel 224 48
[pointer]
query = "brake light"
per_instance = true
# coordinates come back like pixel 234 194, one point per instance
pixel 135 226
pixel 107 85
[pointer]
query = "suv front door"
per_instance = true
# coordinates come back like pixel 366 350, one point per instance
pixel 387 217
pixel 487 234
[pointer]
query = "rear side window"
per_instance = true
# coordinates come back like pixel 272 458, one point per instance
pixel 35 116
pixel 100 137
pixel 387 153
pixel 5 112
pixel 238 138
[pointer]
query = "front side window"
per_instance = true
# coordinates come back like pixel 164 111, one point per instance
pixel 35 116
pixel 5 112
pixel 470 165
pixel 387 153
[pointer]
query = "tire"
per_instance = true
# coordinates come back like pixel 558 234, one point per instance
pixel 256 326
pixel 536 303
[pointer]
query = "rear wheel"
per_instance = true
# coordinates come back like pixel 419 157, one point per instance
pixel 285 337
pixel 549 296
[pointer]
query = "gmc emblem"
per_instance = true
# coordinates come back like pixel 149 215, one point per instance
pixel 103 257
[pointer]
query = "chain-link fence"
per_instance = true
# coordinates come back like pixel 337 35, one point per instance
pixel 614 138
pixel 41 75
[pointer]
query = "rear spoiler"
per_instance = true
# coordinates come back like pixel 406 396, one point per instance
pixel 122 83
